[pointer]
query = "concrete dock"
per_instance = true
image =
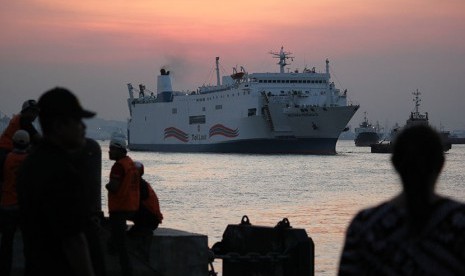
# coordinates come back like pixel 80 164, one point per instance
pixel 167 252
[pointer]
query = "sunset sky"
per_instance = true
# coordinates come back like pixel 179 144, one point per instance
pixel 380 51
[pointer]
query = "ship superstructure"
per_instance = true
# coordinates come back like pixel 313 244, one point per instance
pixel 284 112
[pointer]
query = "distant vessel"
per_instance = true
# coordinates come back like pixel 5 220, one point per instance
pixel 416 118
pixel 285 112
pixel 454 139
pixel 366 134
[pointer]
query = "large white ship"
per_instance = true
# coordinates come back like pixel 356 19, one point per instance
pixel 284 112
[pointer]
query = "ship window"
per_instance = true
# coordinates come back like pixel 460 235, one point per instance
pixel 252 112
pixel 194 120
pixel 203 108
pixel 300 81
pixel 274 81
pixel 218 107
pixel 260 81
pixel 174 110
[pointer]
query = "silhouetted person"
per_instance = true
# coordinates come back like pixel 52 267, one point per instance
pixel 123 198
pixel 23 120
pixel 148 216
pixel 9 208
pixel 51 193
pixel 417 232
pixel 89 163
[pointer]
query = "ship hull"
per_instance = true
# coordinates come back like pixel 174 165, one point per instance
pixel 366 139
pixel 312 132
pixel 321 146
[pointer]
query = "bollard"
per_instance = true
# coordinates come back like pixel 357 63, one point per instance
pixel 259 250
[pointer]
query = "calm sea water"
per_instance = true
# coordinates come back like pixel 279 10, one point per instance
pixel 203 193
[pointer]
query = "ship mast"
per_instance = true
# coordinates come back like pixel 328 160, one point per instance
pixel 283 56
pixel 218 71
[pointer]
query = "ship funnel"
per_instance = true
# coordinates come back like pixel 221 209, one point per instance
pixel 164 89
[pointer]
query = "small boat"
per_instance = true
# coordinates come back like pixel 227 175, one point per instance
pixel 366 133
pixel 454 139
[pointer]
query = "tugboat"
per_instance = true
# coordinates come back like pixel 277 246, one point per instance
pixel 366 133
pixel 416 118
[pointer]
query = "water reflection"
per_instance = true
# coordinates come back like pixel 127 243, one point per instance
pixel 203 193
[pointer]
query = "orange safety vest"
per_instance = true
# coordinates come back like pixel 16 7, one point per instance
pixel 126 197
pixel 6 140
pixel 13 160
pixel 151 202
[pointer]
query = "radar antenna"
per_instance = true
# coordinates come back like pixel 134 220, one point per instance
pixel 417 100
pixel 283 56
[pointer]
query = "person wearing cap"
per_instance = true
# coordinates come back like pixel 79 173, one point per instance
pixel 123 198
pixel 9 209
pixel 23 120
pixel 51 191
pixel 148 216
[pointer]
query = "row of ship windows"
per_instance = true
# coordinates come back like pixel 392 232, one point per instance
pixel 200 119
pixel 222 96
pixel 292 81
pixel 217 107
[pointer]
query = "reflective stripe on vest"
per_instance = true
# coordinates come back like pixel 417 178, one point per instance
pixel 127 196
